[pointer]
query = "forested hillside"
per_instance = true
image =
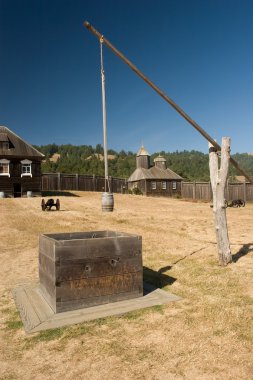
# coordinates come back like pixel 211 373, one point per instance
pixel 85 159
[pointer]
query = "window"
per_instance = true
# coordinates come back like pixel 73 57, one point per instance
pixel 26 168
pixel 164 185
pixel 4 145
pixel 174 186
pixel 4 167
pixel 153 185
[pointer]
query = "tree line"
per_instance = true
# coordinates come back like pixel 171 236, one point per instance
pixel 85 159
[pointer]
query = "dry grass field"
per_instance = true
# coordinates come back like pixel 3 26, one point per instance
pixel 206 335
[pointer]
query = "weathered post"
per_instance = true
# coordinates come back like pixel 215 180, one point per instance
pixel 218 181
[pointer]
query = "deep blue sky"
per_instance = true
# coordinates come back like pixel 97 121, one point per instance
pixel 199 52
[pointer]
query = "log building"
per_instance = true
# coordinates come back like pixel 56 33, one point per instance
pixel 20 166
pixel 157 180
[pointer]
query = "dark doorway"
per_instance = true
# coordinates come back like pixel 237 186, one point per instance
pixel 17 190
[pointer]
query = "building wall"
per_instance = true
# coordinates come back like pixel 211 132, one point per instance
pixel 27 183
pixel 146 187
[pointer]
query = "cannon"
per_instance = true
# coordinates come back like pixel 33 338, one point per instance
pixel 235 203
pixel 46 206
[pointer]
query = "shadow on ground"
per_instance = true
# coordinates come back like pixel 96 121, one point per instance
pixel 246 248
pixel 58 194
pixel 157 279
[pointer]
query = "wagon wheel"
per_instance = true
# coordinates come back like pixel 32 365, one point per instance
pixel 243 203
pixel 57 204
pixel 43 205
pixel 225 203
pixel 235 204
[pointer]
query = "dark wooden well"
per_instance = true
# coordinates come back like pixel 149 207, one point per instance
pixel 84 269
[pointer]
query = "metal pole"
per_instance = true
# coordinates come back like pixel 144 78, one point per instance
pixel 104 115
pixel 164 96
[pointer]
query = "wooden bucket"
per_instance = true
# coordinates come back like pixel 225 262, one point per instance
pixel 2 195
pixel 29 194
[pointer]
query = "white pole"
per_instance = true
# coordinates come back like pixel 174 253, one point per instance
pixel 104 115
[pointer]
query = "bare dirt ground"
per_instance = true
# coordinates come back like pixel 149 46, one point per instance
pixel 206 335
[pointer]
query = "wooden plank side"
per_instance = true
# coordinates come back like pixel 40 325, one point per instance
pixel 47 282
pixel 28 315
pixel 47 246
pixel 111 309
pixel 75 304
pixel 48 265
pixel 51 300
pixel 100 286
pixel 87 268
pixel 122 247
pixel 36 299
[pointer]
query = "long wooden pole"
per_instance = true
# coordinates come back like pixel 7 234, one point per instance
pixel 164 96
pixel 104 115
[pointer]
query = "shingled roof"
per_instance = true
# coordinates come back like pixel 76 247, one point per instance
pixel 17 146
pixel 153 174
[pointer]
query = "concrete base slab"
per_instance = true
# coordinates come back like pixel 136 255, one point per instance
pixel 37 315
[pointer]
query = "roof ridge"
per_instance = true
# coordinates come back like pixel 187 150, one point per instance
pixel 25 142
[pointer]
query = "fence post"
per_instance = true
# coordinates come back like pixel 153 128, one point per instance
pixel 59 182
pixel 94 182
pixel 194 191
pixel 210 191
pixel 77 181
pixel 111 184
pixel 244 191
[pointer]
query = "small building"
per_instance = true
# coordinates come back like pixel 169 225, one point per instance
pixel 154 180
pixel 20 166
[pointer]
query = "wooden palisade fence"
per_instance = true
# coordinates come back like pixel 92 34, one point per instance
pixel 81 182
pixel 189 190
pixel 203 191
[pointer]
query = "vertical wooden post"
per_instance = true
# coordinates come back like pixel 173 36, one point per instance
pixel 194 190
pixel 94 182
pixel 210 191
pixel 218 181
pixel 77 182
pixel 244 191
pixel 59 181
pixel 227 191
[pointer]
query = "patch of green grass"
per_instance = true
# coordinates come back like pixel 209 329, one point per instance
pixel 133 315
pixel 78 330
pixel 48 335
pixel 13 322
pixel 14 325
pixel 71 332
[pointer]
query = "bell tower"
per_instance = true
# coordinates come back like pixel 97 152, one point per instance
pixel 143 158
pixel 160 162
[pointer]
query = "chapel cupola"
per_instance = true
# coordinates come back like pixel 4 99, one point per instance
pixel 143 158
pixel 160 162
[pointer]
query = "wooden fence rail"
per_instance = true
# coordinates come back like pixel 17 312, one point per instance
pixel 203 191
pixel 81 182
pixel 189 190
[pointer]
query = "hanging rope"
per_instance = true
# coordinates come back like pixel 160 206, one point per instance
pixel 107 183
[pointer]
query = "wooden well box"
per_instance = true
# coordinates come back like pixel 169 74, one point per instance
pixel 84 269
